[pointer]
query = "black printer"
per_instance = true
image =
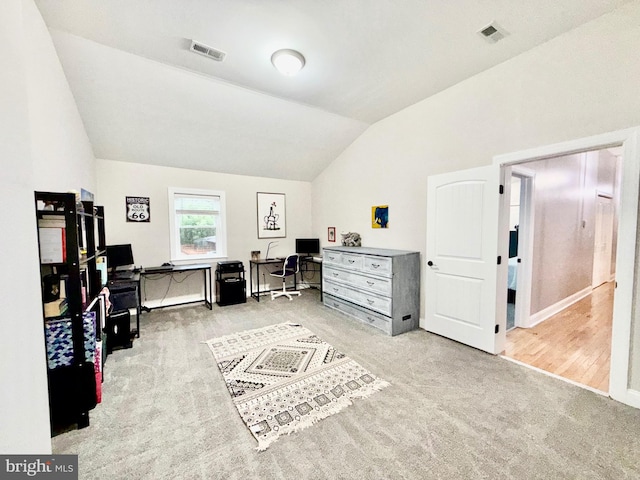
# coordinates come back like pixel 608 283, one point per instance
pixel 230 266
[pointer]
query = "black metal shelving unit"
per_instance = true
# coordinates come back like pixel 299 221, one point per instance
pixel 71 374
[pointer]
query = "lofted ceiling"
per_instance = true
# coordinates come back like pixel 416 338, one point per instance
pixel 145 97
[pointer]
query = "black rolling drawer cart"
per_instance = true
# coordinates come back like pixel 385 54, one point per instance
pixel 231 286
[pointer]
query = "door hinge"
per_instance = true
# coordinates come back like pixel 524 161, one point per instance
pixel 497 328
pixel 501 189
pixel 499 259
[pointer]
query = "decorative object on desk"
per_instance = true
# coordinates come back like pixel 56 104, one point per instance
pixel 283 378
pixel 351 239
pixel 255 255
pixel 138 209
pixel 271 215
pixel 380 216
pixel 332 234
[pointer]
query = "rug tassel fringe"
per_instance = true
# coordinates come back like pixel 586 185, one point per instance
pixel 315 417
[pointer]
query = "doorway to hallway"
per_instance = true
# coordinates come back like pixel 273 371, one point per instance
pixel 568 326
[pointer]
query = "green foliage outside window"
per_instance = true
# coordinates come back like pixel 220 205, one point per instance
pixel 196 227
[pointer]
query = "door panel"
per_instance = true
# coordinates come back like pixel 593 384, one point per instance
pixel 462 246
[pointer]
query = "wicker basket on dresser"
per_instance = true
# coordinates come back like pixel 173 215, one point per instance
pixel 380 287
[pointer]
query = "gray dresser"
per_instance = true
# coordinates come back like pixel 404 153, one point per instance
pixel 380 287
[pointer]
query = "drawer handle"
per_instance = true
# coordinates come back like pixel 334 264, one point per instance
pixel 335 289
pixel 375 265
pixel 331 258
pixel 369 319
pixel 336 304
pixel 351 261
pixel 370 302
pixel 336 274
pixel 370 283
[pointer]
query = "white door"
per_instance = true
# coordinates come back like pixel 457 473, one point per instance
pixel 461 256
pixel 602 247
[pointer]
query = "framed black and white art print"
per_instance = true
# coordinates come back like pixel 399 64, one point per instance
pixel 272 221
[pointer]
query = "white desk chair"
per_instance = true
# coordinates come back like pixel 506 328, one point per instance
pixel 291 266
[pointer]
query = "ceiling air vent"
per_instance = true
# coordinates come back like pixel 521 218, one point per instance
pixel 492 33
pixel 208 51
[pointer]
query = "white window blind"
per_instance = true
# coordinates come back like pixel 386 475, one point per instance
pixel 197 224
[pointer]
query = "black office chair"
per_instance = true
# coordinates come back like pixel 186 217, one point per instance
pixel 291 266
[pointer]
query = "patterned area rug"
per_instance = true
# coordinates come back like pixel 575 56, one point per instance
pixel 283 378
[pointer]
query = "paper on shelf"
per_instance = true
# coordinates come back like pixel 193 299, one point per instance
pixel 52 245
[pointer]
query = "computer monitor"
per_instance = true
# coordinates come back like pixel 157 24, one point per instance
pixel 119 256
pixel 307 246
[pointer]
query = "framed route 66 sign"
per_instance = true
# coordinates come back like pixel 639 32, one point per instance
pixel 138 209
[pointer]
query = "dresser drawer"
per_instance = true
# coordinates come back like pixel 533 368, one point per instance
pixel 378 265
pixel 331 258
pixel 358 280
pixel 352 261
pixel 369 300
pixel 366 316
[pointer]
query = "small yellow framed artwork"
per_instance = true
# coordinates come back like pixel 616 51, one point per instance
pixel 380 216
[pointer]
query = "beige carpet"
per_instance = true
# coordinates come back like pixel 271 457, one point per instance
pixel 451 412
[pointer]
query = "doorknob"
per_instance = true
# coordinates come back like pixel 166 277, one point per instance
pixel 430 263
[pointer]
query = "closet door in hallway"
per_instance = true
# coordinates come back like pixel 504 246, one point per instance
pixel 574 344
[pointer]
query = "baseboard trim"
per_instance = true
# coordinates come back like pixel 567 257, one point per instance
pixel 633 398
pixel 557 307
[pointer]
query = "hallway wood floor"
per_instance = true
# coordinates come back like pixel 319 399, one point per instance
pixel 575 343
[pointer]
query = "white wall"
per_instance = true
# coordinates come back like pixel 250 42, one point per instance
pixel 150 241
pixel 579 84
pixel 42 146
pixel 60 147
pixel 563 236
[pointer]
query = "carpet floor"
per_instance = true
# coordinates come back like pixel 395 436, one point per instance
pixel 450 412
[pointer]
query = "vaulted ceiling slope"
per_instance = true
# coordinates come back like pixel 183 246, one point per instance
pixel 145 98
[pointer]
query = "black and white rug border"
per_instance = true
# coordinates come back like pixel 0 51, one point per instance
pixel 288 402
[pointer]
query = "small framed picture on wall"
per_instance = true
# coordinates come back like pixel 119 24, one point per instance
pixel 331 234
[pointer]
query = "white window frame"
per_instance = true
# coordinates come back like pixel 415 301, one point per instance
pixel 221 227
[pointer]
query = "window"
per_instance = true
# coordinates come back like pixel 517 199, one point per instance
pixel 197 224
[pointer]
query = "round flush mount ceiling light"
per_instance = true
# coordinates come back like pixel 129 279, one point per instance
pixel 287 62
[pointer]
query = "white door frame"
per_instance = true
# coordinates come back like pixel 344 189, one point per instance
pixel 597 233
pixel 626 244
pixel 525 244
